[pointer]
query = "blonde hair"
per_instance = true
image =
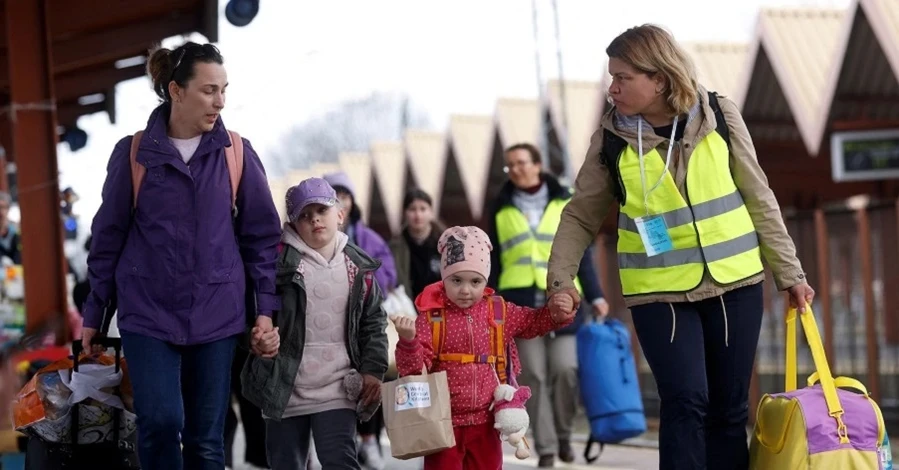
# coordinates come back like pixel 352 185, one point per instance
pixel 652 50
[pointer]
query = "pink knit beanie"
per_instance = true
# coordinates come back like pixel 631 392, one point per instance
pixel 464 249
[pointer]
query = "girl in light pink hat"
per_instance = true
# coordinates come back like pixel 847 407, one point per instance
pixel 471 318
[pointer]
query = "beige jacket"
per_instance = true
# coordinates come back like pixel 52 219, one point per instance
pixel 593 198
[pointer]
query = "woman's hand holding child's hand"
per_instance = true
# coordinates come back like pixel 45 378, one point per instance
pixel 266 339
pixel 563 306
pixel 405 326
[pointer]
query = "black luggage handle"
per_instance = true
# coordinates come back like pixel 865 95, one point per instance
pixel 77 348
pixel 103 341
pixel 101 338
pixel 590 442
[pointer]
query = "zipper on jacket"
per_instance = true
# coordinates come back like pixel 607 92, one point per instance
pixel 474 369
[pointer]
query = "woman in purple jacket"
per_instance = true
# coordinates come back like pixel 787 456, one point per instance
pixel 179 263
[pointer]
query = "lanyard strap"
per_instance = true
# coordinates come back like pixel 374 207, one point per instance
pixel 642 166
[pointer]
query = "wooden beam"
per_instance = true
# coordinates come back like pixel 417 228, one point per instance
pixel 864 99
pixel 68 113
pixel 120 42
pixel 75 85
pixel 70 18
pixel 862 125
pixel 210 20
pixel 114 44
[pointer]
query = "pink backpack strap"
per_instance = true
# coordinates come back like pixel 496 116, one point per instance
pixel 366 291
pixel 234 159
pixel 137 170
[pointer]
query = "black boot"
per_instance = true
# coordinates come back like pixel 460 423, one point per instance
pixel 565 453
pixel 546 461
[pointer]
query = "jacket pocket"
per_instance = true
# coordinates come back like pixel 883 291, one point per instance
pixel 141 287
pixel 159 192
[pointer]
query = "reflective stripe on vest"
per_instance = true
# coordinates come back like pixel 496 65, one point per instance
pixel 524 254
pixel 714 231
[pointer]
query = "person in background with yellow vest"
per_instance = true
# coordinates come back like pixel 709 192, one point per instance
pixel 524 221
pixel 696 217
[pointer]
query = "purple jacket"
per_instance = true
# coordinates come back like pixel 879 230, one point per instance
pixel 375 246
pixel 177 264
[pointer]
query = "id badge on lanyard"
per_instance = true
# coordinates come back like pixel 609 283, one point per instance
pixel 654 233
pixel 652 228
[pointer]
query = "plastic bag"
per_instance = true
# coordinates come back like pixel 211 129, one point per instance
pixel 43 407
pixel 398 303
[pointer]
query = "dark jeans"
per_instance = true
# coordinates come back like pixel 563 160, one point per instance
pixel 334 432
pixel 250 417
pixel 701 355
pixel 180 391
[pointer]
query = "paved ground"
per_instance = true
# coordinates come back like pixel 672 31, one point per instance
pixel 640 456
pixel 614 457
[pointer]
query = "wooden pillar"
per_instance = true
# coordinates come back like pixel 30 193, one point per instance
pixel 34 142
pixel 889 235
pixel 822 244
pixel 871 346
pixel 6 142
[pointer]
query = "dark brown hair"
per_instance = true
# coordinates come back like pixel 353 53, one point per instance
pixel 416 194
pixel 531 149
pixel 165 65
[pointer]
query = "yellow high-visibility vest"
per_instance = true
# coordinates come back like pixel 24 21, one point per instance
pixel 525 253
pixel 710 230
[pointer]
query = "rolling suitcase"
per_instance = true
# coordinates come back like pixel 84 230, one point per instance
pixel 117 454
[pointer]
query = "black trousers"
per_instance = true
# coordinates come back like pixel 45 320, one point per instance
pixel 701 355
pixel 250 416
pixel 373 426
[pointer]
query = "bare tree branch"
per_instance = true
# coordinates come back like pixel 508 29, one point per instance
pixel 351 126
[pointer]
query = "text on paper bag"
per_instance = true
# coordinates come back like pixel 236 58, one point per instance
pixel 413 395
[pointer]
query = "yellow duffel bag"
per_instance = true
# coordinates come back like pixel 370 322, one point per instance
pixel 831 425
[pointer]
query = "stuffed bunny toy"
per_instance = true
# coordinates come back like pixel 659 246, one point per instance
pixel 511 418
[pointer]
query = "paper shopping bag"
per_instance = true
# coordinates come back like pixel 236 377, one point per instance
pixel 417 415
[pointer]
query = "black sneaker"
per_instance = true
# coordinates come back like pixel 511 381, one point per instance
pixel 546 461
pixel 565 453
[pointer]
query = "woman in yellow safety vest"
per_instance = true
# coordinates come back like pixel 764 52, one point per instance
pixel 696 216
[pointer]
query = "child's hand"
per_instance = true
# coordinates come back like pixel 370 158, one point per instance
pixel 405 326
pixel 266 339
pixel 562 306
pixel 371 390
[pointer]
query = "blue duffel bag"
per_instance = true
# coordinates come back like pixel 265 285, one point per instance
pixel 608 381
